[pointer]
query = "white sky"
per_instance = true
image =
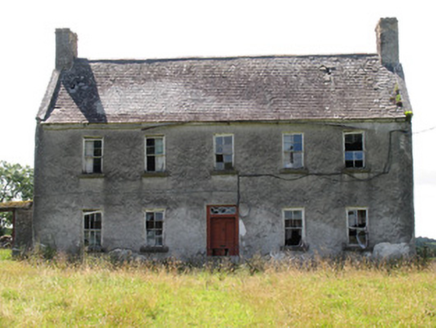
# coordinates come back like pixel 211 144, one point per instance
pixel 166 29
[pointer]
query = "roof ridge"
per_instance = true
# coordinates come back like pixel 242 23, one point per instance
pixel 133 60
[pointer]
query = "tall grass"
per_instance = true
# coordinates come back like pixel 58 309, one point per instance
pixel 97 292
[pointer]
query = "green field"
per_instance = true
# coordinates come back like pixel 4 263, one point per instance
pixel 34 293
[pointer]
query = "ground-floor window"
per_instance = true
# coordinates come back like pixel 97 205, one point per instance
pixel 357 221
pixel 154 220
pixel 294 226
pixel 92 229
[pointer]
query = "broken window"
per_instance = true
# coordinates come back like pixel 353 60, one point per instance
pixel 293 150
pixel 222 210
pixel 293 227
pixel 357 220
pixel 354 150
pixel 92 229
pixel 93 155
pixel 154 154
pixel 154 227
pixel 224 152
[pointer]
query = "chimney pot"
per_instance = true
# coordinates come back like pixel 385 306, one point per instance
pixel 66 48
pixel 387 42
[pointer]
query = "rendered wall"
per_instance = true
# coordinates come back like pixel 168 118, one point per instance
pixel 62 192
pixel 23 228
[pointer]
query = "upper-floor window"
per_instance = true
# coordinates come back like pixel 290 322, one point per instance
pixel 354 150
pixel 155 154
pixel 224 155
pixel 294 226
pixel 293 150
pixel 93 155
pixel 357 222
pixel 154 220
pixel 92 229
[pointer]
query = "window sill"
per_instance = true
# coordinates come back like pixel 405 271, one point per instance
pixel 156 174
pixel 154 249
pixel 224 172
pixel 93 249
pixel 350 170
pixel 303 248
pixel 294 171
pixel 355 248
pixel 91 176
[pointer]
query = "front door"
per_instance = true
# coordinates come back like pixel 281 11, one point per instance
pixel 223 234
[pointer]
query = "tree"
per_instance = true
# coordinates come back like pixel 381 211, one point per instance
pixel 16 183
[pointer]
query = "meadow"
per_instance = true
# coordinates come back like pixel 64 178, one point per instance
pixel 98 293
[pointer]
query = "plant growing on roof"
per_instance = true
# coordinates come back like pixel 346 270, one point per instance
pixel 398 98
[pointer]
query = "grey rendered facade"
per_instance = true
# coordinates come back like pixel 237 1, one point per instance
pixel 319 154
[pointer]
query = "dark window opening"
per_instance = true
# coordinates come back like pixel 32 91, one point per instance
pixel 93 156
pixel 293 227
pixel 155 154
pixel 357 227
pixel 92 229
pixel 354 152
pixel 154 228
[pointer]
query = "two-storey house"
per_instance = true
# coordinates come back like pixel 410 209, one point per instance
pixel 225 156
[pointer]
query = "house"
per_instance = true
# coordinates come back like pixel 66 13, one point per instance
pixel 225 156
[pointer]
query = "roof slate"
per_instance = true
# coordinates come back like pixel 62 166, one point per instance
pixel 269 88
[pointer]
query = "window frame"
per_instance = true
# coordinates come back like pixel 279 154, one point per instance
pixel 86 212
pixel 303 227
pixel 363 150
pixel 288 151
pixel 215 151
pixel 85 157
pixel 163 155
pixel 154 211
pixel 365 229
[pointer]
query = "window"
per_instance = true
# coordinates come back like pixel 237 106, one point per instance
pixel 294 227
pixel 154 154
pixel 293 151
pixel 93 155
pixel 92 229
pixel 154 227
pixel 354 150
pixel 357 221
pixel 224 152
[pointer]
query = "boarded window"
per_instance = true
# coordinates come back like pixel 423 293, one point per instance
pixel 294 226
pixel 93 155
pixel 154 154
pixel 224 152
pixel 354 150
pixel 154 227
pixel 92 228
pixel 293 150
pixel 357 220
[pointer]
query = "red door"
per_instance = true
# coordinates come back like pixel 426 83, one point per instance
pixel 222 231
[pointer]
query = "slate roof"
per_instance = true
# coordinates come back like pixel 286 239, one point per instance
pixel 268 88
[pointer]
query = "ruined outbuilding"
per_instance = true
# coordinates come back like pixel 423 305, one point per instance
pixel 21 222
pixel 225 156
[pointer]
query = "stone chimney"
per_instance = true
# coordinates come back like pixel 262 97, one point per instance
pixel 387 42
pixel 66 48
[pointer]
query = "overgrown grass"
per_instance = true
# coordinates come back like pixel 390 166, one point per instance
pixel 5 254
pixel 96 292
